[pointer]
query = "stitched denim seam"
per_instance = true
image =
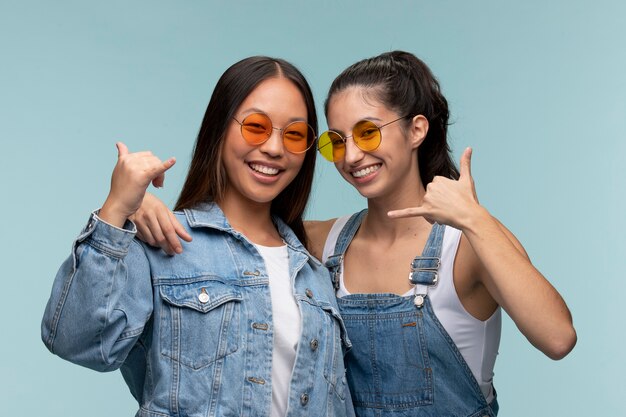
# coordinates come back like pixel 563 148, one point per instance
pixel 106 249
pixel 130 333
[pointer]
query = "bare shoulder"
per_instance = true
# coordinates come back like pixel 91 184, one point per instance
pixel 317 232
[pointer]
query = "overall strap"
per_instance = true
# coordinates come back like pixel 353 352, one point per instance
pixel 334 262
pixel 425 268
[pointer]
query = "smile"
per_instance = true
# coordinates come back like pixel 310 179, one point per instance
pixel 263 169
pixel 366 171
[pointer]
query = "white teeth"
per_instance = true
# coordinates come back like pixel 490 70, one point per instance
pixel 264 169
pixel 365 171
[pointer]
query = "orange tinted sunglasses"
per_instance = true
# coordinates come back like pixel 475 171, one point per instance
pixel 256 129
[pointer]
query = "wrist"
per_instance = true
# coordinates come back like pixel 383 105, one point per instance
pixel 477 219
pixel 112 213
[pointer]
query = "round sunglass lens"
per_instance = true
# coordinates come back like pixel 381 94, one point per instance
pixel 298 137
pixel 256 128
pixel 366 135
pixel 332 146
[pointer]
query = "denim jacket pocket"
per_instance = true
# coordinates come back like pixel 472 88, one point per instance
pixel 200 321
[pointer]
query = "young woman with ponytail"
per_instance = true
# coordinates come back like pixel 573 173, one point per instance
pixel 426 345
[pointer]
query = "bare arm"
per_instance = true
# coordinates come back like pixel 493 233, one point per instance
pixel 533 303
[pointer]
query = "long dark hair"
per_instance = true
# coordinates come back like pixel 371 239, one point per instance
pixel 207 180
pixel 405 84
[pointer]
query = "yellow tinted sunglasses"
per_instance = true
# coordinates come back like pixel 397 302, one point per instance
pixel 365 133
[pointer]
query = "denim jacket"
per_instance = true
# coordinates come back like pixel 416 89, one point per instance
pixel 192 334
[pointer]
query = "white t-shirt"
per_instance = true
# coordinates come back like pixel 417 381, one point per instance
pixel 286 322
pixel 477 340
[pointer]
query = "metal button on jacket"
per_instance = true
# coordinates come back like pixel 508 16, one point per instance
pixel 314 344
pixel 304 399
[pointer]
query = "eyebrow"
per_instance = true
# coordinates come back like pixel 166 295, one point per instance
pixel 252 110
pixel 371 119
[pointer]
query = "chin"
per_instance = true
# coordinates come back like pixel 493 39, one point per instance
pixel 264 197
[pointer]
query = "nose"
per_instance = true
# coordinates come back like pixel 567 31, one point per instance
pixel 274 146
pixel 353 153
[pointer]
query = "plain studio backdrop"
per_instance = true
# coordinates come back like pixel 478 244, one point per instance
pixel 538 89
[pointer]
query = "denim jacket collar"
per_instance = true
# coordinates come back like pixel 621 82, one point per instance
pixel 211 215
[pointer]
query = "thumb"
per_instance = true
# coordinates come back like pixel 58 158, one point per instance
pixel 466 163
pixel 121 149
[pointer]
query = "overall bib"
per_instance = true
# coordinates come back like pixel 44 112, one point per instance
pixel 402 361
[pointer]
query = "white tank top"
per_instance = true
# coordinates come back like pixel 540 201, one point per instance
pixel 477 340
pixel 286 323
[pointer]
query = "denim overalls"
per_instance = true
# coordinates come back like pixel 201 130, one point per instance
pixel 402 361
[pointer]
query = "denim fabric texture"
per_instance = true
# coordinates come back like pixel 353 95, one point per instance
pixel 403 362
pixel 192 333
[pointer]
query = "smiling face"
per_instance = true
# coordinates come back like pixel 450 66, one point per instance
pixel 393 165
pixel 257 174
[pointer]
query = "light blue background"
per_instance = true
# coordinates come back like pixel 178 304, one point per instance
pixel 537 88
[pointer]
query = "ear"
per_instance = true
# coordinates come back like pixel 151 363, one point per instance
pixel 418 130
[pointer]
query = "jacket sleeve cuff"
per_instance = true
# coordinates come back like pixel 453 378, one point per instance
pixel 106 237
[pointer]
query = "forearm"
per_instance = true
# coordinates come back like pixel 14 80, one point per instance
pixel 98 307
pixel 526 295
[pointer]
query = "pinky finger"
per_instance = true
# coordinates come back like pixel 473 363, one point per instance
pixel 180 229
pixel 159 179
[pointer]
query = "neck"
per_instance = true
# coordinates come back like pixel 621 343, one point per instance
pixel 379 226
pixel 251 219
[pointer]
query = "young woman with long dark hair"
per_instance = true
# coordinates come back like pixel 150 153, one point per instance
pixel 245 321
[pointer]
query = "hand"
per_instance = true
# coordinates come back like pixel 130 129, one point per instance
pixel 157 225
pixel 131 176
pixel 451 202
